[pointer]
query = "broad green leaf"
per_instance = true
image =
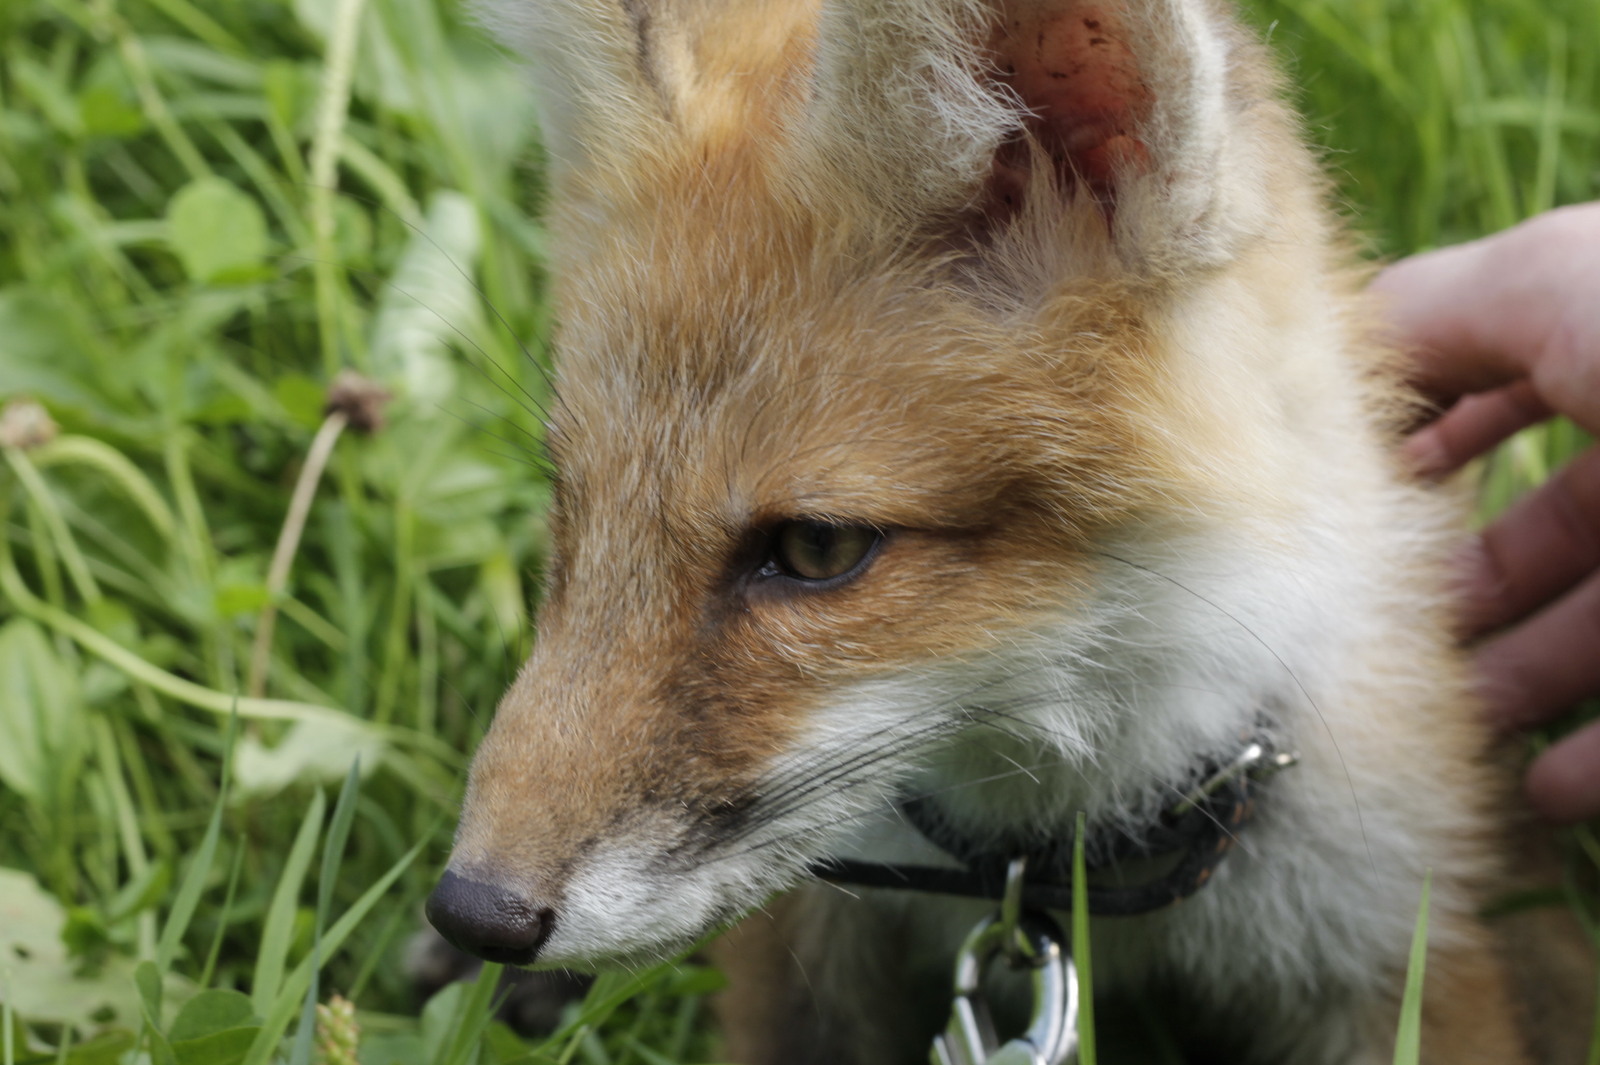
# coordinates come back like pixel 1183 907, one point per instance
pixel 85 933
pixel 226 1047
pixel 429 303
pixel 42 984
pixel 438 1020
pixel 241 600
pixel 217 231
pixel 147 978
pixel 210 1012
pixel 107 1048
pixel 312 752
pixel 502 1046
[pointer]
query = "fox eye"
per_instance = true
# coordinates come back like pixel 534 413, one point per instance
pixel 820 550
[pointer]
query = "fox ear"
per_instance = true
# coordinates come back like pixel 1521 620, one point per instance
pixel 994 111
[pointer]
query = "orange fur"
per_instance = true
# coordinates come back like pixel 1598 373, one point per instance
pixel 1006 339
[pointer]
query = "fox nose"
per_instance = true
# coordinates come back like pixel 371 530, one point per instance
pixel 492 922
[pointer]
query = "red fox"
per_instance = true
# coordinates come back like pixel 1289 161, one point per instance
pixel 968 418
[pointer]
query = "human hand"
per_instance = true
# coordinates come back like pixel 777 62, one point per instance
pixel 1506 332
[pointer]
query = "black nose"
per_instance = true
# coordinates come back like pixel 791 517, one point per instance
pixel 489 921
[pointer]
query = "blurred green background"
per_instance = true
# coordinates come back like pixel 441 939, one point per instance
pixel 210 210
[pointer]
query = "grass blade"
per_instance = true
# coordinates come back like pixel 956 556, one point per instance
pixel 277 933
pixel 194 881
pixel 289 995
pixel 224 916
pixel 476 1014
pixel 1408 1041
pixel 1080 945
pixel 1594 1032
pixel 344 812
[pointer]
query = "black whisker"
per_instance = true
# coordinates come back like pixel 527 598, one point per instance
pixel 465 276
pixel 933 793
pixel 526 458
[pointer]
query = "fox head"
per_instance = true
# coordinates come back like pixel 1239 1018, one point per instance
pixel 900 341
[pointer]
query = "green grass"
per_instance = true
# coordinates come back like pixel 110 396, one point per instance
pixel 206 211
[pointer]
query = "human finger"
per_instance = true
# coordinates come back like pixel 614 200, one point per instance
pixel 1547 664
pixel 1563 784
pixel 1517 304
pixel 1443 310
pixel 1545 544
pixel 1471 427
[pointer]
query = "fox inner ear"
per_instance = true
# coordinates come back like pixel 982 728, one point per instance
pixel 1149 120
pixel 1088 102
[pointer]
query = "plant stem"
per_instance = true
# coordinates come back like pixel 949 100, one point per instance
pixel 185 691
pixel 294 524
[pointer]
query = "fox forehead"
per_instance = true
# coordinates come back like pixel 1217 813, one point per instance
pixel 738 379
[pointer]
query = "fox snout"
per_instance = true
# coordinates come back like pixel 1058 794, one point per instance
pixel 611 781
pixel 491 922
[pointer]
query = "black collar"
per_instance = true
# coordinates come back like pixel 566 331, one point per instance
pixel 1179 849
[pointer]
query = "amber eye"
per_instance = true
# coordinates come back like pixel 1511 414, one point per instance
pixel 820 550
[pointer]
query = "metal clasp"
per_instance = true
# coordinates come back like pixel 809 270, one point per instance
pixel 1028 940
pixel 1255 763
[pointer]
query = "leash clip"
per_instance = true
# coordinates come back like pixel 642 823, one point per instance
pixel 1030 940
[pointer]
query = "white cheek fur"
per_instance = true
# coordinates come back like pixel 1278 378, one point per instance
pixel 1185 651
pixel 1187 648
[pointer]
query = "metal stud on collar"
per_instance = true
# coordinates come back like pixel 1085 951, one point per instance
pixel 1027 939
pixel 1254 762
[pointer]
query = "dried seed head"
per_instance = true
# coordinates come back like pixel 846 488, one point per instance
pixel 25 424
pixel 360 399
